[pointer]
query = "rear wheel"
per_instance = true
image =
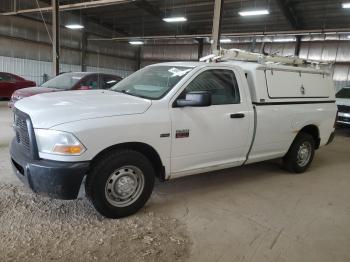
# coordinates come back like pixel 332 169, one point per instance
pixel 300 154
pixel 120 183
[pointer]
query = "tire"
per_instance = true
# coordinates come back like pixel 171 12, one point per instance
pixel 297 161
pixel 120 183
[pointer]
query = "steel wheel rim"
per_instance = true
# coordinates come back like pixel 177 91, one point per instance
pixel 304 154
pixel 124 186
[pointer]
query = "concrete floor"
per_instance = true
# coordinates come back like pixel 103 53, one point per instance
pixel 257 212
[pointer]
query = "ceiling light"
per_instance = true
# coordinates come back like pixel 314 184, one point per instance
pixel 282 40
pixel 136 42
pixel 225 40
pixel 348 36
pixel 75 26
pixel 175 19
pixel 254 12
pixel 346 5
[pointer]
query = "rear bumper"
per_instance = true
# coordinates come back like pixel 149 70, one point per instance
pixel 56 179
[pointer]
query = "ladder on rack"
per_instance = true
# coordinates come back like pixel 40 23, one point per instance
pixel 242 55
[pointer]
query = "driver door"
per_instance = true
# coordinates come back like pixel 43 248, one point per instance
pixel 212 137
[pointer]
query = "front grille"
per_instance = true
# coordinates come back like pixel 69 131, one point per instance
pixel 344 109
pixel 22 132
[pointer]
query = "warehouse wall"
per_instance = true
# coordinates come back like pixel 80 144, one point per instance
pixel 26 50
pixel 334 49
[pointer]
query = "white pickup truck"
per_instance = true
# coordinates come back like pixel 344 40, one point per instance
pixel 170 120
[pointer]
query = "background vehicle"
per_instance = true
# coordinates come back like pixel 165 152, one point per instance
pixel 9 83
pixel 343 103
pixel 69 81
pixel 170 120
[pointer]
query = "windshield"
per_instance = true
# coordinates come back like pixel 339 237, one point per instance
pixel 344 93
pixel 152 82
pixel 64 81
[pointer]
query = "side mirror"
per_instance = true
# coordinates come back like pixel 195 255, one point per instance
pixel 195 99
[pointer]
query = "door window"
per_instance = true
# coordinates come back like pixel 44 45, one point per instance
pixel 91 82
pixel 5 77
pixel 221 83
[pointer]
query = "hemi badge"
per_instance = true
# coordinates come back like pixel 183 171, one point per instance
pixel 165 135
pixel 182 133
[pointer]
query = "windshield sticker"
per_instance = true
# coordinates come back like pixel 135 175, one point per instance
pixel 178 72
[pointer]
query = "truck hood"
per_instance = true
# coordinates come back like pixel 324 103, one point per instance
pixel 51 109
pixel 30 91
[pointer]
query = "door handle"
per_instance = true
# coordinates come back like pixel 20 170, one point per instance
pixel 237 115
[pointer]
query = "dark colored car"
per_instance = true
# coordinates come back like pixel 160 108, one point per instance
pixel 69 81
pixel 9 83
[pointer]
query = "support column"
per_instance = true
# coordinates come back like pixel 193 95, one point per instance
pixel 216 31
pixel 297 45
pixel 55 38
pixel 83 51
pixel 138 57
pixel 262 48
pixel 200 47
pixel 252 47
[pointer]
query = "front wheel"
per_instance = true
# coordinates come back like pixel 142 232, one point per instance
pixel 300 154
pixel 120 183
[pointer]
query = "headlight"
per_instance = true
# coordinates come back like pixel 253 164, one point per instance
pixel 58 143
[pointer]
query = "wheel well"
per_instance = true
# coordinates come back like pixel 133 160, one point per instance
pixel 314 132
pixel 145 149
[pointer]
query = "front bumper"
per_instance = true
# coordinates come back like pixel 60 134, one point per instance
pixel 343 118
pixel 61 180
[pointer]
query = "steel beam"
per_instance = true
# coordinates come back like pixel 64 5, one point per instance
pixel 289 13
pixel 216 30
pixel 69 7
pixel 143 4
pixel 247 34
pixel 55 38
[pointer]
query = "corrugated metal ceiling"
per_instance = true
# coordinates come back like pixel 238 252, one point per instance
pixel 143 17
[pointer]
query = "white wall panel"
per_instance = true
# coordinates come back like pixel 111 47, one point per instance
pixel 35 70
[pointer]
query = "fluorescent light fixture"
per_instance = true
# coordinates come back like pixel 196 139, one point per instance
pixel 346 5
pixel 283 40
pixel 254 12
pixel 136 42
pixel 75 26
pixel 225 40
pixel 348 36
pixel 175 19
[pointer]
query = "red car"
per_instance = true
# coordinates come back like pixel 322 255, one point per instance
pixel 68 81
pixel 9 83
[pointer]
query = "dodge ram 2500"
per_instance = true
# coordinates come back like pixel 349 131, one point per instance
pixel 166 121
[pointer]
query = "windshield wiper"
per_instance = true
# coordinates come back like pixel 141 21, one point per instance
pixel 124 91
